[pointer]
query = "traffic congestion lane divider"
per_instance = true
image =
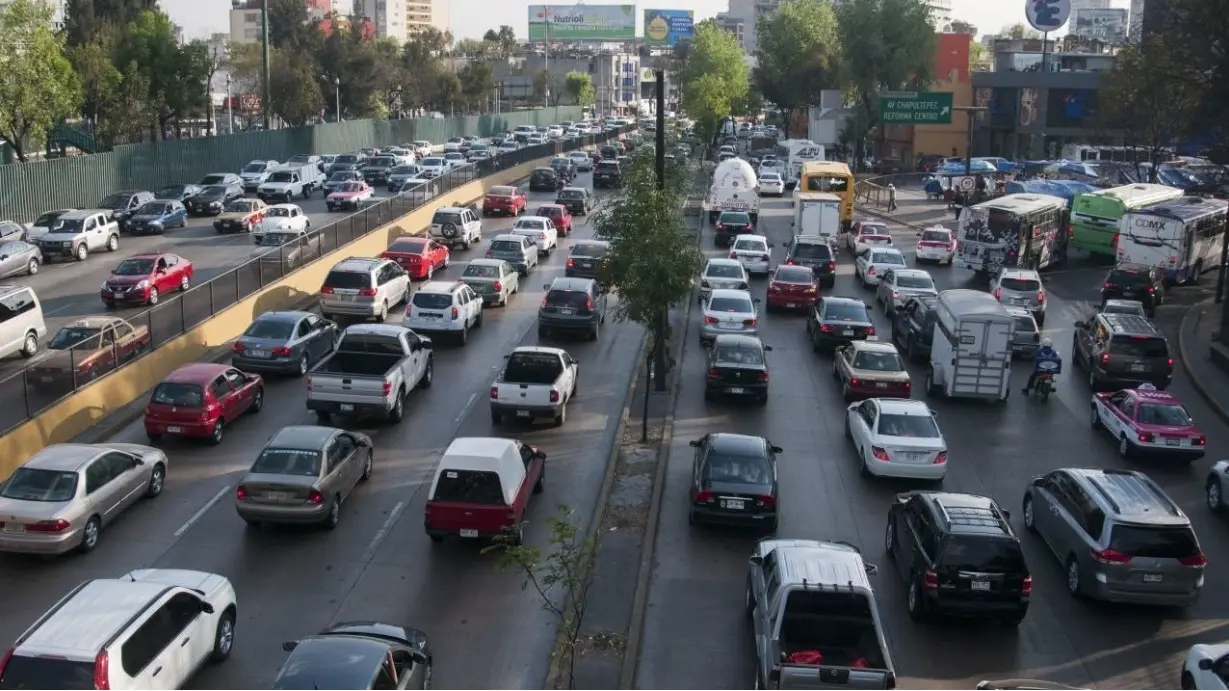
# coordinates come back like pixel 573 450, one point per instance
pixel 118 389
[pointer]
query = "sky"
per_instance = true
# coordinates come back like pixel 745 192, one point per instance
pixel 471 18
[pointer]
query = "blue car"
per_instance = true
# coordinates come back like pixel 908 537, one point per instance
pixel 154 218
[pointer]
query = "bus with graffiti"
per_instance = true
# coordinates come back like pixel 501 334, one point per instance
pixel 1027 231
pixel 1095 215
pixel 1184 237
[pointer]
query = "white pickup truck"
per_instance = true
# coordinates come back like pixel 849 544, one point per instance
pixel 373 369
pixel 535 383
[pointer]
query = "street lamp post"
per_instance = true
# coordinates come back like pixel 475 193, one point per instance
pixel 970 112
pixel 337 96
pixel 264 64
pixel 230 109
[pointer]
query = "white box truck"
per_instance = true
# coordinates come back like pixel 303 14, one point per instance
pixel 970 354
pixel 817 213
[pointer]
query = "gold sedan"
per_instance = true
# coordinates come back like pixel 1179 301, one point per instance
pixel 871 369
pixel 303 475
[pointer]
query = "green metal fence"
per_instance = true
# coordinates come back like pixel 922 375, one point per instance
pixel 29 189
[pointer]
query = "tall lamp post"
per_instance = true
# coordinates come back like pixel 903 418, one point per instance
pixel 264 64
pixel 337 96
pixel 230 109
pixel 970 112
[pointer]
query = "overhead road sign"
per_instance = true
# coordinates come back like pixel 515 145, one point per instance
pixel 916 108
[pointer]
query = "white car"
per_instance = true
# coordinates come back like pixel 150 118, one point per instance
pixel 455 159
pixel 453 144
pixel 936 244
pixel 43 224
pixel 896 286
pixel 1206 667
pixel 423 148
pixel 283 217
pixel 728 312
pixel 444 307
pixel 540 230
pixel 896 437
pixel 434 166
pixel 772 184
pixel 754 252
pixel 554 132
pixel 873 262
pixel 868 235
pixel 724 274
pixel 508 147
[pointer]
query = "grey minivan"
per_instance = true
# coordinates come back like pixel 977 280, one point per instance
pixel 1119 537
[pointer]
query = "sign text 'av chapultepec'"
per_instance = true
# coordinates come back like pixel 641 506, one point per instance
pixel 582 22
pixel 668 27
pixel 916 108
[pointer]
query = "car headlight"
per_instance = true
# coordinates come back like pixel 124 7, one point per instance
pixel 103 286
pixel 143 284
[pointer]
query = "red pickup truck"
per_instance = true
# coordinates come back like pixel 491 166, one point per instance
pixel 482 488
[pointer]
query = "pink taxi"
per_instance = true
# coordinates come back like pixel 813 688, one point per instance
pixel 349 196
pixel 936 244
pixel 1149 422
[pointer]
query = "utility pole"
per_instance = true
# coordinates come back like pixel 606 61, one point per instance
pixel 264 64
pixel 970 112
pixel 660 154
pixel 230 109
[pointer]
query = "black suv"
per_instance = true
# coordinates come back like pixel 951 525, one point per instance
pixel 573 305
pixel 610 152
pixel 607 174
pixel 958 556
pixel 1135 282
pixel 815 252
pixel 1121 351
pixel 586 258
pixel 913 327
pixel 834 322
pixel 545 180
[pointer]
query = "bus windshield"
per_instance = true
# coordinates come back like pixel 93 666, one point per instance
pixel 825 183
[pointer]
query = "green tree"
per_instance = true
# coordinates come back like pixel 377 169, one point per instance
pixel 713 78
pixel 506 38
pixel 84 19
pixel 977 55
pixel 1198 30
pixel 294 89
pixel 174 73
pixel 653 256
pixel 799 55
pixel 97 73
pixel 38 86
pixel 888 46
pixel 447 92
pixel 962 27
pixel 346 56
pixel 1018 31
pixel 421 68
pixel 579 88
pixel 291 27
pixel 1150 98
pixel 214 57
pixel 472 48
pixel 541 86
pixel 477 84
pixel 124 113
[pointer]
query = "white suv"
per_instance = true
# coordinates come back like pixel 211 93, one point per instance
pixel 540 230
pixel 149 629
pixel 363 288
pixel 77 233
pixel 444 307
pixel 456 226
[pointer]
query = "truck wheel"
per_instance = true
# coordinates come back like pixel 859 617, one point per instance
pixel 323 418
pixel 495 417
pixel 931 389
pixel 112 243
pixel 82 252
pixel 463 337
pixel 428 375
pixel 398 411
pixel 562 417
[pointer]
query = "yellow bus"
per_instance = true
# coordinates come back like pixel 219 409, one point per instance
pixel 832 177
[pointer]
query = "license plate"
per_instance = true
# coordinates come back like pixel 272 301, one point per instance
pixel 847 332
pixel 277 496
pixel 567 310
pixel 1152 578
pixel 46 380
pixel 736 390
pixel 790 306
pixel 260 353
pixel 736 504
pixel 881 385
pixel 1139 368
pixel 1173 442
pixel 469 532
pixel 729 325
pixel 979 585
pixel 347 407
pixel 522 413
pixel 429 315
pixel 14 527
pixel 174 430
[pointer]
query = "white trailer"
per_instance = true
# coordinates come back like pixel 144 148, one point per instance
pixel 817 213
pixel 970 355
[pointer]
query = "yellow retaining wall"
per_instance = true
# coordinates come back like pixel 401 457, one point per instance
pixel 75 414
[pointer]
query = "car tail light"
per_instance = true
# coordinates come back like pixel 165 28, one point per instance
pixel 494 393
pixel 824 328
pixel 1151 290
pixel 1110 556
pixel 720 226
pixel 589 304
pixel 388 388
pixel 832 266
pixel 1169 363
pixel 774 287
pixel 733 255
pixel 309 383
pixel 879 453
pixel 498 286
pixel 315 497
pixel 454 312
pixel 870 331
pixel 326 290
pixel 930 580
pixel 489 254
pixel 703 284
pixel 750 322
pixel 811 290
pixel 710 320
pixel 998 294
pixel 908 385
pixel 789 262
pixel 1200 441
pixel 367 292
pixel 895 294
pixel 1146 437
pixel 543 305
pixel 56 526
pixel 571 263
pixel 1107 286
pixel 102 670
pixel 1196 560
pixel 281 351
pixel 764 375
pixel 241 492
pixel 940 458
pixel 4 661
pixel 854 381
pixel 703 497
pixel 1041 296
pixel 1026 586
pixel 766 501
pixel 554 396
pixel 713 373
pixel 870 271
pixel 1105 359
pixel 237 347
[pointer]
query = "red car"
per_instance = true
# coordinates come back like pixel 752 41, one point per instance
pixel 200 399
pixel 145 278
pixel 559 214
pixel 420 257
pixel 792 288
pixel 504 200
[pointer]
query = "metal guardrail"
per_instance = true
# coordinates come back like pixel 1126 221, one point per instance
pixel 53 376
pixel 874 191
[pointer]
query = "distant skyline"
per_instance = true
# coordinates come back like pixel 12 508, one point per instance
pixel 472 18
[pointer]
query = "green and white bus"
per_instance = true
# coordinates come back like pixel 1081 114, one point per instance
pixel 1095 215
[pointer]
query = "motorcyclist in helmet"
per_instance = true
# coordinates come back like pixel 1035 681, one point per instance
pixel 1045 353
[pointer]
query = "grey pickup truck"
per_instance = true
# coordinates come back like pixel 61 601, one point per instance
pixel 373 369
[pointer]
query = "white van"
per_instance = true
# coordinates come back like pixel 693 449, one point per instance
pixel 970 355
pixel 21 321
pixel 818 213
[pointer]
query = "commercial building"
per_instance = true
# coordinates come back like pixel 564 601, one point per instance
pixel 387 16
pixel 423 14
pixel 615 75
pixel 377 18
pixel 905 143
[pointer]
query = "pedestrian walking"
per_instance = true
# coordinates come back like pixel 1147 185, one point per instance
pixel 891 197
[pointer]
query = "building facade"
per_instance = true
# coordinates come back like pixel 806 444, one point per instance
pixel 387 16
pixel 1107 24
pixel 732 24
pixel 616 77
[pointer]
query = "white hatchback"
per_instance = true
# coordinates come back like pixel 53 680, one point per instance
pixel 896 437
pixel 540 230
pixel 873 262
pixel 729 312
pixel 754 252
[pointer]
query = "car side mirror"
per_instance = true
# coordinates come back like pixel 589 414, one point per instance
pixel 776 449
pixel 919 234
pixel 419 658
pixel 206 607
pixel 871 569
pixel 1078 324
pixel 1205 664
pixel 3 257
pixel 545 286
pixel 900 308
pixel 289 646
pixel 756 300
pixel 695 443
pixel 757 560
pixel 767 349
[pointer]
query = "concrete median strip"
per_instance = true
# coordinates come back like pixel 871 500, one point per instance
pixel 118 390
pixel 1194 316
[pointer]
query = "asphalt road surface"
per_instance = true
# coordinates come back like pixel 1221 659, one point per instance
pixel 696 636
pixel 378 564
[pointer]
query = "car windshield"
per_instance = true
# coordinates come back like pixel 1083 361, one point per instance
pixel 1116 307
pixel 69 225
pixel 591 251
pixel 544 173
pixel 572 194
pixel 239 206
pixel 550 211
pixel 272 329
pixel 608 166
pixel 213 191
pixel 770 177
pixel 346 158
pixel 142 266
pixel 352 187
pixel 880 361
pixel 348 280
pixel 743 470
pixel 255 167
pixel 738 355
pixel 408 246
pixel 734 218
pixel 178 394
pixel 1025 323
pixel 469 487
pixel 343 176
pixel 936 236
pixel 37 484
pixel 751 245
pixel 1139 346
pixel 506 246
pixel 480 271
pixel 297 462
pixel 845 312
pixel 213 179
pixel 917 281
pixel 501 192
pixel 383 162
pixel 114 201
pixel 405 170
pixel 874 229
pixel 276 239
pixel 48 218
pixel 1128 278
pixel 433 162
pixel 442 217
pixel 724 271
pixel 170 191
pixel 1172 415
pixel 888 258
pixel 153 209
pixel 70 336
pixel 794 275
pixel 1020 285
pixel 278 212
pixel 812 250
pixel 1155 543
pixel 432 301
pixel 529 224
pixel 983 554
pixel 913 426
pixel 46 672
pixel 729 304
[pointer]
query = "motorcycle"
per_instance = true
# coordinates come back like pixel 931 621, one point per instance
pixel 1047 373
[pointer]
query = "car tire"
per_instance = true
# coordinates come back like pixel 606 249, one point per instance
pixel 1074 578
pixel 157 481
pixel 323 419
pixel 398 409
pixel 90 535
pixel 82 252
pixel 1124 447
pixel 32 267
pixel 463 336
pixel 1095 418
pixel 382 316
pixel 1030 519
pixel 113 243
pixel 258 401
pixel 915 600
pixel 889 540
pixel 184 284
pixel 496 417
pixel 562 417
pixel 1092 379
pixel 219 432
pixel 334 515
pixel 29 348
pixel 153 297
pixel 301 370
pixel 368 466
pixel 1213 493
pixel 223 638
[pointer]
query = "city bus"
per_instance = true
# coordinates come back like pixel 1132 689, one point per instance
pixel 1095 215
pixel 1026 231
pixel 1184 237
pixel 831 177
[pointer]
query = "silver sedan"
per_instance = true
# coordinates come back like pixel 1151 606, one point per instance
pixel 19 257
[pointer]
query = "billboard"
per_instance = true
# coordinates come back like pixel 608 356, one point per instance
pixel 1109 25
pixel 668 27
pixel 582 22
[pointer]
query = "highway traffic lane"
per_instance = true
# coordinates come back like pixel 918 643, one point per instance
pixel 696 636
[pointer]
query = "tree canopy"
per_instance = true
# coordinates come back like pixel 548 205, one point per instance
pixel 579 88
pixel 38 85
pixel 799 55
pixel 1198 31
pixel 713 77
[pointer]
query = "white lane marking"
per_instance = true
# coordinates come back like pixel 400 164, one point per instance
pixel 465 410
pixel 201 512
pixel 382 533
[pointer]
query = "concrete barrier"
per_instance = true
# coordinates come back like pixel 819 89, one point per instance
pixel 75 414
